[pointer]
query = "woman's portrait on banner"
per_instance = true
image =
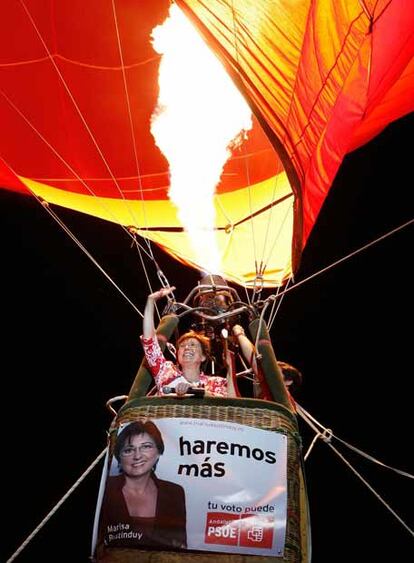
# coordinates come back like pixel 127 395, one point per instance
pixel 138 508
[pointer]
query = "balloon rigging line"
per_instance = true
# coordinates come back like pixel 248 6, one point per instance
pixel 131 126
pixel 223 210
pixel 252 225
pixel 278 296
pixel 57 506
pixel 276 301
pixel 246 164
pixel 62 159
pixel 138 247
pixel 76 62
pixel 261 321
pixel 72 98
pixel 101 490
pixel 273 312
pixel 228 242
pixel 247 294
pixel 278 233
pixel 326 435
pixel 269 221
pixel 347 256
pixel 327 431
pixel 88 254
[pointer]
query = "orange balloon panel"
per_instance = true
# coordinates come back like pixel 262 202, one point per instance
pixel 78 86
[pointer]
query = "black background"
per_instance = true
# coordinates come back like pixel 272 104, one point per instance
pixel 70 342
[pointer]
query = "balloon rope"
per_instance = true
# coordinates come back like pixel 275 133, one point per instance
pixel 130 231
pixel 327 436
pixel 265 260
pixel 56 507
pixel 347 256
pixel 138 247
pixel 246 164
pixel 89 255
pixel 289 208
pixel 131 126
pixel 275 308
pixel 328 432
pixel 280 294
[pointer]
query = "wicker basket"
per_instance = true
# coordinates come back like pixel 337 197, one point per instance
pixel 250 412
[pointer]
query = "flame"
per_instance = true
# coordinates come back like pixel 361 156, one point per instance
pixel 199 118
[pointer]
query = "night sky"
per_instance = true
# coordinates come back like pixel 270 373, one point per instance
pixel 70 342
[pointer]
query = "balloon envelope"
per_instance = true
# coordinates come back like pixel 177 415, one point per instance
pixel 79 83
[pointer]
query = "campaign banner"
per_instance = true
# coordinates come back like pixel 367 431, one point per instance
pixel 212 486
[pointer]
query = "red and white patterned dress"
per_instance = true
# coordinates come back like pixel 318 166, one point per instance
pixel 167 374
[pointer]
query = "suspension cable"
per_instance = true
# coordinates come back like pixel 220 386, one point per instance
pixel 326 435
pixel 275 308
pixel 346 257
pixel 88 254
pixel 57 506
pixel 131 125
pixel 311 421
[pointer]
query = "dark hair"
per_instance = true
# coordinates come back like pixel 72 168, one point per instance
pixel 203 340
pixel 292 374
pixel 136 429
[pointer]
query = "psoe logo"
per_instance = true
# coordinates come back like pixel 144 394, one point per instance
pixel 222 528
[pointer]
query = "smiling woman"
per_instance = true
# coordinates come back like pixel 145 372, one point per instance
pixel 193 350
pixel 138 508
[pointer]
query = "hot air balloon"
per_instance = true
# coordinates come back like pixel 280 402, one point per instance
pixel 79 86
